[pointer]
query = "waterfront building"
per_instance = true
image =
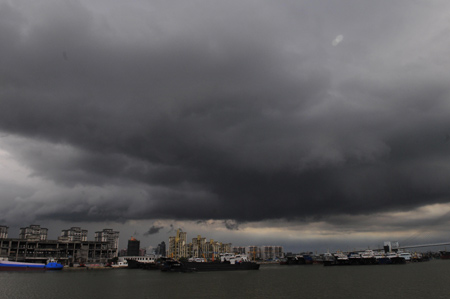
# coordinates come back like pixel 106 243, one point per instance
pixel 215 248
pixel 73 234
pixel 67 252
pixel 254 252
pixel 33 233
pixel 209 250
pixel 278 251
pixel 72 247
pixel 133 247
pixel 142 252
pixel 110 237
pixel 199 248
pixel 224 247
pixel 189 249
pixel 177 245
pixel 238 250
pixel 271 252
pixel 161 249
pixel 3 232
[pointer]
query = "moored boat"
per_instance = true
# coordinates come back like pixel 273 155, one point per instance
pixel 218 266
pixel 406 255
pixel 368 257
pixel 294 260
pixel 227 262
pixel 142 262
pixel 354 258
pixel 22 266
pixel 445 255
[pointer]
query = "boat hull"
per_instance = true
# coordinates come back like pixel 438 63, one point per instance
pixel 14 268
pixel 19 266
pixel 132 264
pixel 221 266
pixel 208 267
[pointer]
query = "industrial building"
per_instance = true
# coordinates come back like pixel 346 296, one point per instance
pixel 32 245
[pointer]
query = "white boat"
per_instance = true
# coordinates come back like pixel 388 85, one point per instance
pixel 233 258
pixel 340 256
pixel 392 255
pixel 368 254
pixel 379 255
pixel 406 255
pixel 327 256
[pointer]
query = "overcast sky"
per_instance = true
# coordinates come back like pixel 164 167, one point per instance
pixel 309 124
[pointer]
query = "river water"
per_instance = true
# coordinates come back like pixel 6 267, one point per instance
pixel 414 280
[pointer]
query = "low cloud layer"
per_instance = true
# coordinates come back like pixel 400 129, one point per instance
pixel 151 110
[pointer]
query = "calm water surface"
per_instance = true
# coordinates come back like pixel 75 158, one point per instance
pixel 415 280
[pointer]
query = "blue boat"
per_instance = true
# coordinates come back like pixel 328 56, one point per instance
pixel 20 266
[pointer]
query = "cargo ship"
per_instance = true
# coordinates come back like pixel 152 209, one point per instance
pixel 21 266
pixel 295 260
pixel 176 266
pixel 227 262
pixel 366 258
pixel 141 262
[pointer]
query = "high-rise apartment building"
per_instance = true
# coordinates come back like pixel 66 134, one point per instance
pixel 254 252
pixel 3 232
pixel 177 245
pixel 33 233
pixel 133 247
pixel 73 234
pixel 161 249
pixel 238 250
pixel 199 248
pixel 109 236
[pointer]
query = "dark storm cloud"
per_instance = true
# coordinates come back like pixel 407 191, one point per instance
pixel 226 111
pixel 153 230
pixel 231 225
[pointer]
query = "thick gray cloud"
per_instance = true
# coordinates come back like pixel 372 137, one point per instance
pixel 153 230
pixel 238 110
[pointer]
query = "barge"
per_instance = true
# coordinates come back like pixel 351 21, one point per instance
pixel 227 262
pixel 21 266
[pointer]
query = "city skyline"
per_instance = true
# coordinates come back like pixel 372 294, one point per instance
pixel 307 124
